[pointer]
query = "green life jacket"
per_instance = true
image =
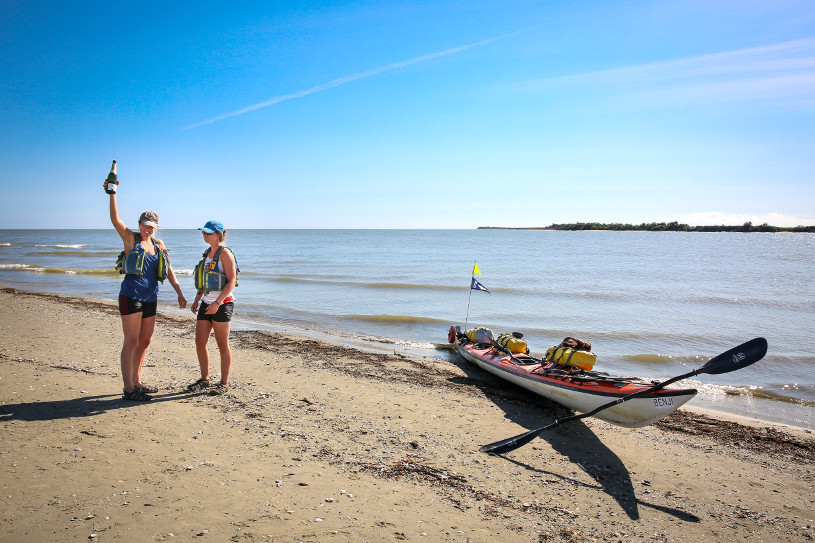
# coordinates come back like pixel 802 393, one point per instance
pixel 132 262
pixel 207 277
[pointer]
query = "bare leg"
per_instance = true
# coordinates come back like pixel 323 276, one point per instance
pixel 148 325
pixel 202 331
pixel 131 326
pixel 222 339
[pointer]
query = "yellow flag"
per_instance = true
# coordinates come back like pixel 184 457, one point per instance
pixel 475 269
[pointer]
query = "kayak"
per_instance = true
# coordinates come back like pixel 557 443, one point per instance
pixel 575 388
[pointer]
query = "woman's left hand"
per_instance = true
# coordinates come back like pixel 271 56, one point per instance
pixel 213 307
pixel 182 301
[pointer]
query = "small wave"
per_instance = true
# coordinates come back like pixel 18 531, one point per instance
pixel 784 303
pixel 5 244
pixel 717 390
pixel 285 279
pixel 63 246
pixel 363 284
pixel 408 286
pixel 639 337
pixel 749 391
pixel 75 252
pixel 608 296
pixel 789 365
pixel 762 392
pixel 183 272
pixel 104 271
pixel 25 267
pixel 793 360
pixel 395 319
pixel 44 269
pixel 664 359
pixel 647 358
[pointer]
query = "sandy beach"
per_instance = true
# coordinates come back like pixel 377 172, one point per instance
pixel 317 442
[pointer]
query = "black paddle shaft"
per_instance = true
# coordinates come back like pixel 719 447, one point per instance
pixel 734 359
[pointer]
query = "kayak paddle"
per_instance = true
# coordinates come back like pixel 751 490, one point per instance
pixel 734 359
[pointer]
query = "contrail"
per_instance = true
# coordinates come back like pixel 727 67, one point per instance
pixel 348 79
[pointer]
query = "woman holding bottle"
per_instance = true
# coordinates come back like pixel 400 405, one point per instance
pixel 144 262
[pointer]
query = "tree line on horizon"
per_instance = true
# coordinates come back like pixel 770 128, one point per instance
pixel 660 227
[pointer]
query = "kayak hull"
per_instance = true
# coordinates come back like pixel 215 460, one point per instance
pixel 580 392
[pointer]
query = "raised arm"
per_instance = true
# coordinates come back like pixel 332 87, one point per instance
pixel 124 232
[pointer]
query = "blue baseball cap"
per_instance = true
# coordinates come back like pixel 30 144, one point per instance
pixel 212 226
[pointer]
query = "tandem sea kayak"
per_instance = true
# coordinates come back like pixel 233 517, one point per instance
pixel 573 387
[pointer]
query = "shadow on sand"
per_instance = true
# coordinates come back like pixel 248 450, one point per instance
pixel 573 440
pixel 84 406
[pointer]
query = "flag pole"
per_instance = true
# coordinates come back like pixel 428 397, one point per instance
pixel 470 297
pixel 467 318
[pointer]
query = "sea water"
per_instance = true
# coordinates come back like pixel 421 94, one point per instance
pixel 653 304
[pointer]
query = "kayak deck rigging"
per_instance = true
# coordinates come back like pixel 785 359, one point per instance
pixel 553 370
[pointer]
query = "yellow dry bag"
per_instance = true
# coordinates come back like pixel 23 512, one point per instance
pixel 569 357
pixel 480 335
pixel 511 341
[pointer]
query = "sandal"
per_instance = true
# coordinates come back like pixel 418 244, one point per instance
pixel 146 388
pixel 219 390
pixel 199 385
pixel 136 396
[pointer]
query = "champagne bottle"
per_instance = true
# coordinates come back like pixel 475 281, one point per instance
pixel 112 182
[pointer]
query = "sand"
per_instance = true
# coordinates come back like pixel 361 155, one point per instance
pixel 316 442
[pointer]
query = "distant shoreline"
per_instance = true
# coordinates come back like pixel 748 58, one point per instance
pixel 658 227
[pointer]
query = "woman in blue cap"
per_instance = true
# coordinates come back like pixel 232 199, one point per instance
pixel 215 278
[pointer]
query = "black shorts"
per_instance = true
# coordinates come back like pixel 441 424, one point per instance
pixel 224 313
pixel 128 306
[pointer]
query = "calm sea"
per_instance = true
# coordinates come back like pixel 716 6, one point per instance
pixel 653 304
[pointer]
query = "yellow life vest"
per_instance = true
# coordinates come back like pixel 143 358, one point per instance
pixel 207 277
pixel 132 262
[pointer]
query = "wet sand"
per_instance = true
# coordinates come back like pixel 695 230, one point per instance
pixel 316 442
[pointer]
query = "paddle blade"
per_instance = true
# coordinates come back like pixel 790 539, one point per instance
pixel 512 443
pixel 737 357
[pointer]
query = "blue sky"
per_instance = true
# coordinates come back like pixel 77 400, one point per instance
pixel 416 114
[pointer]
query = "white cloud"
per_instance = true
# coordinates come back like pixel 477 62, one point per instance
pixel 778 71
pixel 348 79
pixel 779 57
